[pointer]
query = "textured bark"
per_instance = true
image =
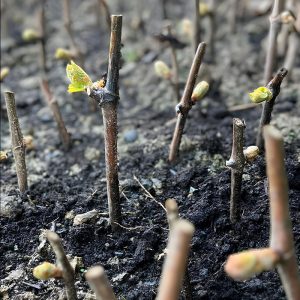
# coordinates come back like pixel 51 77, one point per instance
pixel 63 264
pixel 18 146
pixel 236 163
pixel 99 283
pixel 185 103
pixel 266 115
pixel 282 240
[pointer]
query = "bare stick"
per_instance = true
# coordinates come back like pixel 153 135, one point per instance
pixel 103 4
pixel 275 24
pixel 53 105
pixel 18 146
pixel 197 28
pixel 176 260
pixel 186 103
pixel 212 29
pixel 282 240
pixel 69 30
pixel 63 264
pixel 236 163
pixel 175 68
pixel 172 212
pixel 274 87
pixel 42 41
pixel 173 217
pixel 99 283
pixel 108 100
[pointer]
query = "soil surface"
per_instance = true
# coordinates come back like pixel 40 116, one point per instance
pixel 64 184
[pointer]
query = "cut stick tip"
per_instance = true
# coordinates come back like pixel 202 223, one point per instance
pixel 94 272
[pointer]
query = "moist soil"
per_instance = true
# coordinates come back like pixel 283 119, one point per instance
pixel 63 184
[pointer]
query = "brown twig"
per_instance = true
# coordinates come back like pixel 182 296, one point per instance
pixel 175 68
pixel 282 240
pixel 103 4
pixel 18 146
pixel 99 283
pixel 108 100
pixel 185 103
pixel 274 87
pixel 211 29
pixel 176 260
pixel 63 264
pixel 173 217
pixel 42 40
pixel 53 105
pixel 69 30
pixel 197 26
pixel 275 24
pixel 172 212
pixel 236 163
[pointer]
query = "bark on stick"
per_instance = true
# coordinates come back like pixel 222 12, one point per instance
pixel 108 100
pixel 275 24
pixel 274 87
pixel 282 240
pixel 99 283
pixel 63 263
pixel 197 26
pixel 236 163
pixel 53 105
pixel 18 146
pixel 176 260
pixel 185 103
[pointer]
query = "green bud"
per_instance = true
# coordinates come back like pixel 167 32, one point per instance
pixel 4 72
pixel 30 35
pixel 261 94
pixel 200 91
pixel 162 70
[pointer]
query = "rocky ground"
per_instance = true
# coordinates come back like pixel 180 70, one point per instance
pixel 65 184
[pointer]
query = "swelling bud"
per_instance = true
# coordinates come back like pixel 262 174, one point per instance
pixel 46 271
pixel 200 91
pixel 162 70
pixel 261 94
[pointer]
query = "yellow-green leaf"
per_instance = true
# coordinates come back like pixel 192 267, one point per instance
pixel 261 94
pixel 79 79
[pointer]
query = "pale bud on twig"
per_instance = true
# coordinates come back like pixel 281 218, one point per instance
pixel 251 153
pixel 3 73
pixel 46 271
pixel 162 70
pixel 3 156
pixel 200 91
pixel 30 35
pixel 246 264
pixel 287 17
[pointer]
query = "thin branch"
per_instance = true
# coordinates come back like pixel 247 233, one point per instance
pixel 63 264
pixel 69 30
pixel 175 68
pixel 18 146
pixel 274 87
pixel 176 260
pixel 148 193
pixel 172 212
pixel 42 40
pixel 164 9
pixel 233 9
pixel 99 283
pixel 282 240
pixel 108 100
pixel 103 4
pixel 53 105
pixel 236 163
pixel 275 24
pixel 186 103
pixel 197 26
pixel 212 29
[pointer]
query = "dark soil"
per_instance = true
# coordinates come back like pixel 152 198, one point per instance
pixel 61 182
